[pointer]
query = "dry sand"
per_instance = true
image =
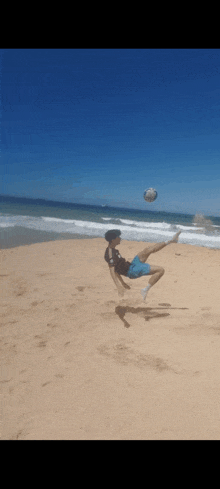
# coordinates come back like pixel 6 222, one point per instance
pixel 79 363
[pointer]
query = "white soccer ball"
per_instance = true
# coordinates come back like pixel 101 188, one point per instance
pixel 150 195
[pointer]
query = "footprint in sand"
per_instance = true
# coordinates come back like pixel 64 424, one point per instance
pixel 125 355
pixel 42 344
pixel 46 383
pixel 81 289
pixel 19 287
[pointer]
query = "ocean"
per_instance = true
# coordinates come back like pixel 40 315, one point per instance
pixel 25 221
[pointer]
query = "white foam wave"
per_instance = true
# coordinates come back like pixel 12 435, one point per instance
pixel 130 229
pixel 6 225
pixel 144 224
pixel 159 225
pixel 56 219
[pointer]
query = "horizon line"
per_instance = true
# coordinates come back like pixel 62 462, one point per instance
pixel 98 205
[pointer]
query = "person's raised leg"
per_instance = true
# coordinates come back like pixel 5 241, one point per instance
pixel 143 255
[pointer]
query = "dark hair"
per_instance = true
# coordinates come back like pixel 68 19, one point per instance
pixel 112 234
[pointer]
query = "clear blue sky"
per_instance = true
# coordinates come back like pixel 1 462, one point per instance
pixel 100 126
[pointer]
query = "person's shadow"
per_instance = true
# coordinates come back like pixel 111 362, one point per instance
pixel 146 312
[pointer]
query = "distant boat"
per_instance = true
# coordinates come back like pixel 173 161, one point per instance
pixel 104 205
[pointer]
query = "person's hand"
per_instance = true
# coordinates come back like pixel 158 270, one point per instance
pixel 121 292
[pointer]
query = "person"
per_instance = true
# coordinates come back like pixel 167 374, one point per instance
pixel 119 267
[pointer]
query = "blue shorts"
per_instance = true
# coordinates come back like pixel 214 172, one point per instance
pixel 137 268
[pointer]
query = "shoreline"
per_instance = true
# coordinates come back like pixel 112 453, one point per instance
pixel 13 237
pixel 16 236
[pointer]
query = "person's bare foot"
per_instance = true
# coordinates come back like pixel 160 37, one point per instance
pixel 175 238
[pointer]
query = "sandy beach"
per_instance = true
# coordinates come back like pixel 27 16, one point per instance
pixel 79 363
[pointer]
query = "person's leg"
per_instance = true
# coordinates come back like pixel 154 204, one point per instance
pixel 143 255
pixel 157 273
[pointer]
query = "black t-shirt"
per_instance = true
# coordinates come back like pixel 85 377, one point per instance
pixel 114 259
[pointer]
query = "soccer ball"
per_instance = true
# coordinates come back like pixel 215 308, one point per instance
pixel 150 195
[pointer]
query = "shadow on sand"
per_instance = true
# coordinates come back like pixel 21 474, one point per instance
pixel 146 312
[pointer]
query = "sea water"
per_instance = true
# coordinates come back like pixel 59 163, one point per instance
pixel 26 221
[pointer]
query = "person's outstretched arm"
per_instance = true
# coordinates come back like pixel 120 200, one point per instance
pixel 126 286
pixel 117 281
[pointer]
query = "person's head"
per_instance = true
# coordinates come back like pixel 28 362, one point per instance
pixel 113 237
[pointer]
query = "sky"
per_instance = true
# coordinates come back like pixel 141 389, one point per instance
pixel 99 126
